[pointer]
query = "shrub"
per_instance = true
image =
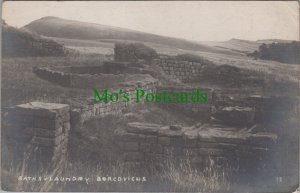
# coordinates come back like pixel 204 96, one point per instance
pixel 281 52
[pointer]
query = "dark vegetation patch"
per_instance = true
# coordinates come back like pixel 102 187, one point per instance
pixel 227 76
pixel 281 52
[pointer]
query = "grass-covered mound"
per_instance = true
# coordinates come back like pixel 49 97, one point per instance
pixel 134 52
pixel 20 43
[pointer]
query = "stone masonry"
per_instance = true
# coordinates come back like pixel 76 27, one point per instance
pixel 183 70
pixel 39 133
pixel 88 109
pixel 226 146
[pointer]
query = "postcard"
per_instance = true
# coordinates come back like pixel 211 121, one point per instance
pixel 150 96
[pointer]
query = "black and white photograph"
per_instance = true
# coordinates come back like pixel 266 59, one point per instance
pixel 150 96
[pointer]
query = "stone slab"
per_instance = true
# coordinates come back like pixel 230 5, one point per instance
pixel 166 131
pixel 41 109
pixel 143 128
pixel 125 136
pixel 235 115
pixel 221 134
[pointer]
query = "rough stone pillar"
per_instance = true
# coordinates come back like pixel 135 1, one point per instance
pixel 39 132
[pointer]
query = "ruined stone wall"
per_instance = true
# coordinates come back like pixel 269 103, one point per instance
pixel 182 70
pixel 84 81
pixel 142 143
pixel 57 77
pixel 265 108
pixel 38 134
pixel 88 110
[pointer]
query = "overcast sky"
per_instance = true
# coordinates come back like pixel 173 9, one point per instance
pixel 194 20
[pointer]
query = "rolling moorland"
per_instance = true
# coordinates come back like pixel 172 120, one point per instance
pixel 100 39
pixel 86 44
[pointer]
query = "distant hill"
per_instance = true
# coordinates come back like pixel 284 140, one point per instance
pixel 19 43
pixel 62 28
pixel 236 45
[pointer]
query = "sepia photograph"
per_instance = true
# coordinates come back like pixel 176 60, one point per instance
pixel 150 96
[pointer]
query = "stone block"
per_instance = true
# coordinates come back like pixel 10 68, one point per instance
pixel 151 139
pixel 235 115
pixel 177 141
pixel 38 122
pixel 222 134
pixel 190 142
pixel 166 131
pixel 16 133
pixel 130 146
pixel 124 136
pixel 156 148
pixel 40 109
pixel 143 128
pixel 145 147
pixel 165 141
pixel 192 133
pixel 40 132
pixel 133 156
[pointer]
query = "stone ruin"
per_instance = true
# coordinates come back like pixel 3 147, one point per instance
pixel 110 75
pixel 39 132
pixel 231 130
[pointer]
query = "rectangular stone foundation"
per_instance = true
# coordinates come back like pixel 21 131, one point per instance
pixel 38 134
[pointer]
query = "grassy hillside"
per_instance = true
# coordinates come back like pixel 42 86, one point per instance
pixel 20 43
pixel 243 46
pixel 236 45
pixel 62 28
